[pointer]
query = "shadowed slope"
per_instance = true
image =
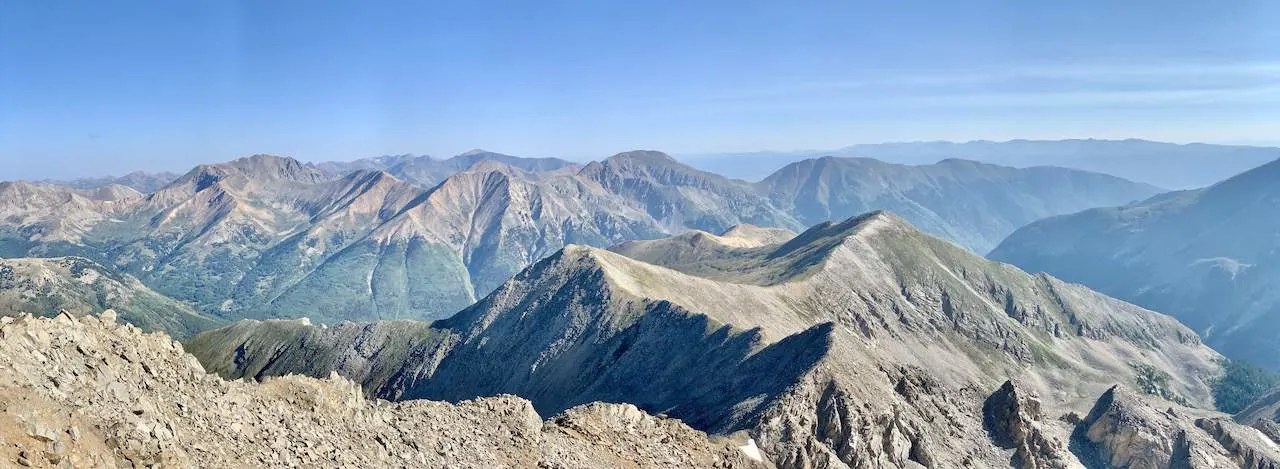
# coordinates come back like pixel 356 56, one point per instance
pixel 1207 257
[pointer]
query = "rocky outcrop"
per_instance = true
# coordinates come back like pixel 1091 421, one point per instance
pixel 1013 419
pixel 1125 430
pixel 1247 446
pixel 88 392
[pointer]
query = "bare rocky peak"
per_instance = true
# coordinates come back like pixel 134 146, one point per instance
pixel 652 164
pixel 260 168
pixel 88 392
pixel 274 167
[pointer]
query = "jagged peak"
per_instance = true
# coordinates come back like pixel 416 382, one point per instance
pixel 260 166
pixel 274 167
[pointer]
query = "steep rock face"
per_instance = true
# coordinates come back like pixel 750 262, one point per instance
pixel 863 343
pixel 87 392
pixel 1207 257
pixel 974 204
pixel 1013 419
pixel 80 286
pixel 1123 430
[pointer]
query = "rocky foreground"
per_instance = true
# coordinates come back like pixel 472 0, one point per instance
pixel 88 392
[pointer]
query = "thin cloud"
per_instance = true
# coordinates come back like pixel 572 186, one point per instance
pixel 1081 76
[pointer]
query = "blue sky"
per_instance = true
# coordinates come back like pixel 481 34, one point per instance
pixel 110 86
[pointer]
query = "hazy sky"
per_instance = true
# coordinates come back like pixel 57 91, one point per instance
pixel 111 86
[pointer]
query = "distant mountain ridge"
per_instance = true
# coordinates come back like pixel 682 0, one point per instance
pixel 140 181
pixel 1168 165
pixel 266 236
pixel 426 171
pixel 974 204
pixel 1208 257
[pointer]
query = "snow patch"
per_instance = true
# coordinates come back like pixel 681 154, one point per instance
pixel 1264 438
pixel 751 450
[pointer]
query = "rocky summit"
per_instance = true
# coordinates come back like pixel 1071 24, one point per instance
pixel 88 392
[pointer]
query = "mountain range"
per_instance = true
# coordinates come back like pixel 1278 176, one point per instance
pixel 838 313
pixel 427 171
pixel 863 343
pixel 267 236
pixel 140 181
pixel 1208 257
pixel 1162 164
